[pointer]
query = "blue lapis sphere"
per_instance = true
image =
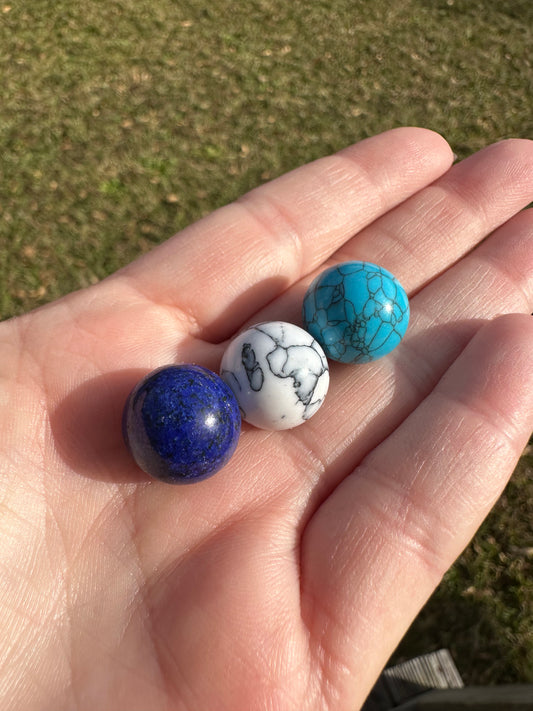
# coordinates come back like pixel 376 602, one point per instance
pixel 181 423
pixel 357 311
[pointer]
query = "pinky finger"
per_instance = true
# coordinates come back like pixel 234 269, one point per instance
pixel 378 546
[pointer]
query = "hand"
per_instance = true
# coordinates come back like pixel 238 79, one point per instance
pixel 285 581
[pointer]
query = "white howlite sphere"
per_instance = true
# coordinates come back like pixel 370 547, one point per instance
pixel 278 373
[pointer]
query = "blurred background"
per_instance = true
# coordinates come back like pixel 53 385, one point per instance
pixel 121 121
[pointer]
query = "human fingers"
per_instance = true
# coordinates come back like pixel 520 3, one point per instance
pixel 433 229
pixel 225 267
pixel 365 403
pixel 378 546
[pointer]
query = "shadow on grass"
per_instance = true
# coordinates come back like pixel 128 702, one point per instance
pixel 469 629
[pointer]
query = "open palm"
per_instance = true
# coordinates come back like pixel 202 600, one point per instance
pixel 285 581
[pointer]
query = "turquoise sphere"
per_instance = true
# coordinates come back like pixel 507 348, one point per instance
pixel 357 311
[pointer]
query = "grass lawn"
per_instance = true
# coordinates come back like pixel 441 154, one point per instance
pixel 122 121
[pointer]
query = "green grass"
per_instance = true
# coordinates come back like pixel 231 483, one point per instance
pixel 122 121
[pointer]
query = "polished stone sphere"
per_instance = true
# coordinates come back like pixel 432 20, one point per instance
pixel 357 311
pixel 279 374
pixel 181 423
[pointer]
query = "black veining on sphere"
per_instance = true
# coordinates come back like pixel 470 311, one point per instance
pixel 181 423
pixel 253 371
pixel 338 293
pixel 362 328
pixel 284 361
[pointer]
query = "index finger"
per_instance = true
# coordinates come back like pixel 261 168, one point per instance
pixel 222 269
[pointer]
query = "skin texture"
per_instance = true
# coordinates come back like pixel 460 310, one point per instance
pixel 286 580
